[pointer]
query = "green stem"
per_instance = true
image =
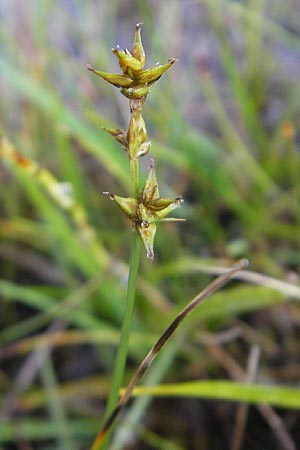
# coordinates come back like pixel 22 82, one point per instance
pixel 134 176
pixel 129 304
pixel 122 351
pixel 123 344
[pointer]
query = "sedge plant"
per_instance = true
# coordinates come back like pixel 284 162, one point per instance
pixel 144 208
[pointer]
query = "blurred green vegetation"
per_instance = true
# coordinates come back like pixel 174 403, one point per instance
pixel 224 125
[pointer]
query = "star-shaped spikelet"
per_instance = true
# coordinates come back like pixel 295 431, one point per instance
pixel 135 82
pixel 148 209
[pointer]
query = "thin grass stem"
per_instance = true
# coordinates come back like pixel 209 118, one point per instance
pixel 134 176
pixel 125 332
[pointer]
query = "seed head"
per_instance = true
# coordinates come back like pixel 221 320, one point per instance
pixel 135 82
pixel 148 209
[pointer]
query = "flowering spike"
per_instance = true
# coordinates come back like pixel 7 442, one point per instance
pixel 149 76
pixel 127 204
pixel 117 79
pixel 150 190
pixel 147 234
pixel 135 83
pixel 119 135
pixel 137 49
pixel 137 133
pixel 144 148
pixel 129 64
pixel 164 211
pixel 159 204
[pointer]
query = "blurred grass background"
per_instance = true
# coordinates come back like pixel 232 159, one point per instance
pixel 224 124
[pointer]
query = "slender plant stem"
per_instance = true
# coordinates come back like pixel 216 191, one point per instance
pixel 123 344
pixel 128 312
pixel 134 176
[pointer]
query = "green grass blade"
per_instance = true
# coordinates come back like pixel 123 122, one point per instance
pixel 282 397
